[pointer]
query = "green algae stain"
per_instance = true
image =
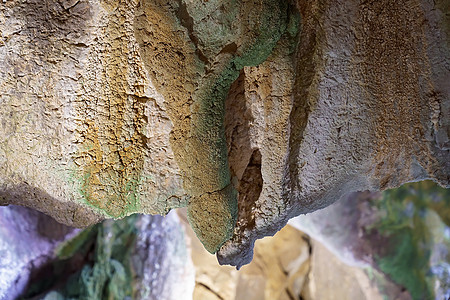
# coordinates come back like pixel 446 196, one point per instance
pixel 403 223
pixel 265 30
pixel 109 183
pixel 111 122
pixel 263 33
pixel 276 19
pixel 69 248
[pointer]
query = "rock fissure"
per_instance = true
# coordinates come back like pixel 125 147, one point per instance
pixel 247 112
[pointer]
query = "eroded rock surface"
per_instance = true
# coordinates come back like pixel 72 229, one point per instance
pixel 364 113
pixel 247 113
pixel 84 134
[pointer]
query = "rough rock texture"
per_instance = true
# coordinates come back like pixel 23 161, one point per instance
pixel 84 134
pixel 369 101
pixel 248 113
pixel 278 271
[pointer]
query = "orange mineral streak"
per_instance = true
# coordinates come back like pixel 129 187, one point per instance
pixel 393 44
pixel 114 146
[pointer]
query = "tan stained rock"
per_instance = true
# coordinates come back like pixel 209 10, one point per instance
pixel 248 113
pixel 329 278
pixel 84 134
pixel 278 271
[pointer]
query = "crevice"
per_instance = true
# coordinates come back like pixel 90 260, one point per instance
pixel 212 291
pixel 188 22
pixel 244 158
pixel 250 187
pixel 289 294
pixel 230 48
pixel 140 119
pixel 238 117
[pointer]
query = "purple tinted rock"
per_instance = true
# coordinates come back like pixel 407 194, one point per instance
pixel 28 239
pixel 161 260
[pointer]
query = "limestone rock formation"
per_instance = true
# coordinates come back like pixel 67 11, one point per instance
pixel 139 257
pixel 278 271
pixel 248 113
pixel 27 242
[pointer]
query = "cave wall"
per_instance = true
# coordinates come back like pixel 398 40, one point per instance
pixel 247 113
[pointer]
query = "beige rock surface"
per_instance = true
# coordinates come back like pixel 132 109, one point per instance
pixel 278 270
pixel 248 113
pixel 84 135
pixel 285 267
pixel 329 278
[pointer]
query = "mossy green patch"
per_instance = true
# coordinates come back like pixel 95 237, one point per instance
pixel 113 198
pixel 111 122
pixel 262 35
pixel 69 248
pixel 105 252
pixel 402 221
pixel 262 32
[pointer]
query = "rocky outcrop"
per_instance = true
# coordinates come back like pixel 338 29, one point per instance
pixel 391 245
pixel 278 271
pixel 361 116
pixel 139 257
pixel 247 113
pixel 28 240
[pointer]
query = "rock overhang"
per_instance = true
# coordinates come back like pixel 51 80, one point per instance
pixel 249 114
